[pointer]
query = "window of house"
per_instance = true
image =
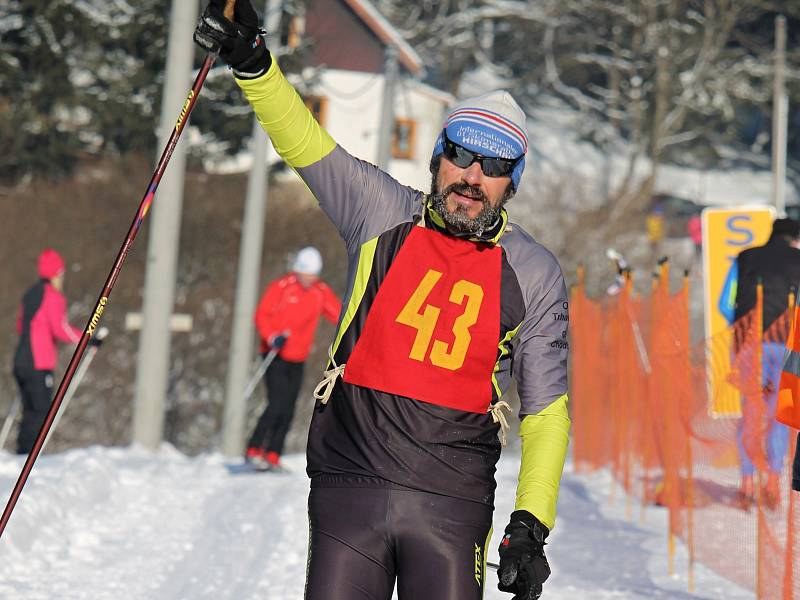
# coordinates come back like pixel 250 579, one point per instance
pixel 403 137
pixel 318 105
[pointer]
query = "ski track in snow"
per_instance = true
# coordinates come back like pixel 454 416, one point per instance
pixel 110 523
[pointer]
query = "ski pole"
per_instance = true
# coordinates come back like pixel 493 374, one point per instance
pixel 262 368
pixel 259 372
pixel 94 321
pixel 76 381
pixel 12 413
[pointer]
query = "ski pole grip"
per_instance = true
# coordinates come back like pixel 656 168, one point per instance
pixel 228 12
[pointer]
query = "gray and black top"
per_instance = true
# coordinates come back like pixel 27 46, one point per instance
pixel 433 330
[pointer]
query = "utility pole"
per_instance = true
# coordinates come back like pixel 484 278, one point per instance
pixel 391 74
pixel 153 360
pixel 240 356
pixel 780 113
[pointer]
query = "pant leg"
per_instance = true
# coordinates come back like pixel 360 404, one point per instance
pixel 745 464
pixel 288 388
pixel 441 546
pixel 263 424
pixel 349 555
pixel 777 445
pixel 282 380
pixel 777 434
pixel 36 392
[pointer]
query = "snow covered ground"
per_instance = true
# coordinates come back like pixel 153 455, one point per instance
pixel 110 523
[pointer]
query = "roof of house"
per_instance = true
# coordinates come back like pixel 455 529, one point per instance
pixel 387 33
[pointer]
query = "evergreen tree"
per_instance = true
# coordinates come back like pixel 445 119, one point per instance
pixel 76 77
pixel 86 78
pixel 36 93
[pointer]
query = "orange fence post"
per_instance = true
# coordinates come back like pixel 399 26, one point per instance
pixel 684 372
pixel 759 319
pixel 657 396
pixel 788 564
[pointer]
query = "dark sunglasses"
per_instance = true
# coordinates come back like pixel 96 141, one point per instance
pixel 463 158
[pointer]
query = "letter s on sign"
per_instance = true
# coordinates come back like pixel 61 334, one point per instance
pixel 741 226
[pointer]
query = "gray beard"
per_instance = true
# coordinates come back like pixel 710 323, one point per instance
pixel 458 223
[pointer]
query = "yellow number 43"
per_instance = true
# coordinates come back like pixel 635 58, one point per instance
pixel 464 293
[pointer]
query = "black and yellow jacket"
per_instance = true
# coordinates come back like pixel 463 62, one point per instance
pixel 432 330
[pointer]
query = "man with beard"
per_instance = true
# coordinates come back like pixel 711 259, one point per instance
pixel 445 301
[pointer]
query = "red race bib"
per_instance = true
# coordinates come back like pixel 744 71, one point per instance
pixel 432 332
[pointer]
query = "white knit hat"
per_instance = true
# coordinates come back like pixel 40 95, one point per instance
pixel 492 124
pixel 308 261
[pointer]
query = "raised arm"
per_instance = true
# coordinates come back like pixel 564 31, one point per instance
pixel 360 199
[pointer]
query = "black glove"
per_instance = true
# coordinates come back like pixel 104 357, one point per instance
pixel 277 342
pixel 97 339
pixel 523 565
pixel 238 43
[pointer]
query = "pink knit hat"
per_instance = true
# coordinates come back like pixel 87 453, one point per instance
pixel 50 264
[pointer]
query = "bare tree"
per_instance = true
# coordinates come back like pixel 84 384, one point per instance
pixel 666 77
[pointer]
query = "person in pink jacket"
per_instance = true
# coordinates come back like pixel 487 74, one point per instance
pixel 41 324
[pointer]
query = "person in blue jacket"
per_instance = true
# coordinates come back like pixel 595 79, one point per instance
pixel 776 265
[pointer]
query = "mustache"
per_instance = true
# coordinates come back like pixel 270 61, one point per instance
pixel 464 189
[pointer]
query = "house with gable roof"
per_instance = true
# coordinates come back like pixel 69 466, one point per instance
pixel 348 44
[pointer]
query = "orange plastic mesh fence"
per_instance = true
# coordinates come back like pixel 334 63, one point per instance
pixel 682 425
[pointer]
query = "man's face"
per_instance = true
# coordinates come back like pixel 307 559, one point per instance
pixel 306 279
pixel 57 281
pixel 468 190
pixel 468 200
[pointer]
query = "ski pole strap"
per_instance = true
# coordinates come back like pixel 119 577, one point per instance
pixel 496 410
pixel 325 387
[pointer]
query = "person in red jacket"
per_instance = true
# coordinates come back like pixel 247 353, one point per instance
pixel 286 319
pixel 41 324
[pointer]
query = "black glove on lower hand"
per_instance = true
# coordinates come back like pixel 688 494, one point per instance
pixel 523 565
pixel 239 42
pixel 278 341
pixel 97 339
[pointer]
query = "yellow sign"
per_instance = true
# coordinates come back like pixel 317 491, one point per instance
pixel 726 232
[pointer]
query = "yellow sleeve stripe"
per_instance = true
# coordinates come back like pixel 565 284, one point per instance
pixel 545 437
pixel 297 137
pixel 504 351
pixel 365 259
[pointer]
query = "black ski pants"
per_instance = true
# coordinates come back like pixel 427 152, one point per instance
pixel 365 539
pixel 36 391
pixel 283 380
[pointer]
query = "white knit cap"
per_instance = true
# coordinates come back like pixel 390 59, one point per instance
pixel 492 124
pixel 308 261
